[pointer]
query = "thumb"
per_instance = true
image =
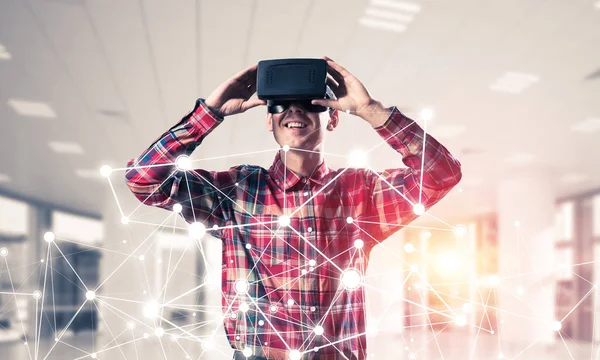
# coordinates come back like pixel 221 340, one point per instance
pixel 252 103
pixel 327 103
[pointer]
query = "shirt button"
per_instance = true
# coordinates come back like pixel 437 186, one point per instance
pixel 304 180
pixel 306 193
pixel 309 229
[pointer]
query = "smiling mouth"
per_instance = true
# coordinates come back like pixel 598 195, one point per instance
pixel 295 125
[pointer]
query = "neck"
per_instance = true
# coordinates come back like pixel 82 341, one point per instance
pixel 301 162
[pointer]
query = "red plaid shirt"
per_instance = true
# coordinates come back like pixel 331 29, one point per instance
pixel 290 276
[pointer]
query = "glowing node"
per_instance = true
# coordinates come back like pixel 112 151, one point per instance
pixel 37 294
pixel 151 309
pixel 372 330
pixel 426 114
pixel 177 208
pixel 208 345
pixel 414 268
pixel 49 237
pixel 409 247
pixel 467 308
pixel 359 244
pixel 130 325
pixel 312 262
pixel 517 223
pixel 304 272
pixel 159 332
pixel 319 330
pixel 290 302
pixel 412 356
pixel 357 158
pixel 286 148
pixel 460 230
pixel 284 220
pixel 241 286
pixel 248 246
pixel 492 332
pixel 105 170
pixel 273 308
pixel 348 111
pixel 500 356
pixel 90 295
pixel 494 280
pixel 142 257
pixel 247 352
pixel 313 308
pixel 556 325
pixel 295 355
pixel 461 320
pixel 124 220
pixel 426 234
pixel 244 307
pixel 56 339
pixel 419 209
pixel 351 279
pixel 233 316
pixel 174 338
pixel 197 230
pixel 349 220
pixel 183 163
pixel 4 252
pixel 93 355
pixel 146 335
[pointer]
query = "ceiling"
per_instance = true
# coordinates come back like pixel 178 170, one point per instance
pixel 119 73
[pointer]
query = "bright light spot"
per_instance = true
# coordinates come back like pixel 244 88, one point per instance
pixel 359 244
pixel 412 356
pixel 37 294
pixel 467 308
pixel 242 286
pixel 286 148
pixel 517 223
pixel 183 163
pixel 414 268
pixel 319 330
pixel 460 230
pixel 461 320
pixel 90 295
pixel 492 332
pixel 426 234
pixel 244 307
pixel 208 345
pixel 312 262
pixel 233 315
pixel 105 170
pixel 273 308
pixel 409 247
pixel 174 338
pixel 295 355
pixel 49 237
pixel 125 220
pixel 93 355
pixel 349 220
pixel 304 272
pixel 290 302
pixel 426 114
pixel 418 209
pixel 130 325
pixel 177 208
pixel 500 356
pixel 556 325
pixel 449 262
pixel 520 291
pixel 494 280
pixel 196 230
pixel 261 322
pixel 284 220
pixel 3 252
pixel 247 352
pixel 248 246
pixel 151 309
pixel 142 257
pixel 357 159
pixel 159 332
pixel 351 279
pixel 146 335
pixel 372 330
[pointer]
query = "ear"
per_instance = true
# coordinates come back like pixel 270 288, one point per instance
pixel 270 122
pixel 333 119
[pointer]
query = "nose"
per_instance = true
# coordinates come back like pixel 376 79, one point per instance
pixel 294 107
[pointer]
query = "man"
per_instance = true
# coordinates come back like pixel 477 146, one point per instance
pixel 297 236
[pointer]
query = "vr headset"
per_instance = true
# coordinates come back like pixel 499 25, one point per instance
pixel 282 82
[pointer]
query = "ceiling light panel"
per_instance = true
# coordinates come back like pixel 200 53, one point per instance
pixel 4 54
pixel 66 147
pixel 31 108
pixel 587 126
pixel 389 15
pixel 514 82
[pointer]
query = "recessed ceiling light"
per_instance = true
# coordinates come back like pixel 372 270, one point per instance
pixel 573 178
pixel 588 126
pixel 388 15
pixel 397 5
pixel 65 147
pixel 31 108
pixel 4 54
pixel 380 24
pixel 89 174
pixel 4 178
pixel 513 82
pixel 520 158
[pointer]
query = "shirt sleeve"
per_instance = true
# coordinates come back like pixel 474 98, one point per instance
pixel 393 192
pixel 205 196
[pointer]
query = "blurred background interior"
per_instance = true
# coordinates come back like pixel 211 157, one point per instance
pixel 514 87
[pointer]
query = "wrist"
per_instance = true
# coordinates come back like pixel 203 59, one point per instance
pixel 375 113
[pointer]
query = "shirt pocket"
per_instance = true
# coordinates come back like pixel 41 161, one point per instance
pixel 265 240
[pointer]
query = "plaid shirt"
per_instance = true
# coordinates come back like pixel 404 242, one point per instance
pixel 290 276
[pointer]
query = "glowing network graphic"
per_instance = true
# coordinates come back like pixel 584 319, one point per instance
pixel 151 322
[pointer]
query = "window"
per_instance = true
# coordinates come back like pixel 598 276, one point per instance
pixel 13 217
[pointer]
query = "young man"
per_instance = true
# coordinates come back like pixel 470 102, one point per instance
pixel 297 236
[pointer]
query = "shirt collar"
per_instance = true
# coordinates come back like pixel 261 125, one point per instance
pixel 287 178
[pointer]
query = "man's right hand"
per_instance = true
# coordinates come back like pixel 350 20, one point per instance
pixel 232 96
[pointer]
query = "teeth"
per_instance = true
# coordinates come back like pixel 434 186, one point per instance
pixel 295 125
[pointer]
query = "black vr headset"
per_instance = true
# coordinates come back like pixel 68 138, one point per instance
pixel 282 82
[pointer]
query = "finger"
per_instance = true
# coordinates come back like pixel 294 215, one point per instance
pixel 334 104
pixel 338 68
pixel 252 103
pixel 247 74
pixel 335 75
pixel 333 85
